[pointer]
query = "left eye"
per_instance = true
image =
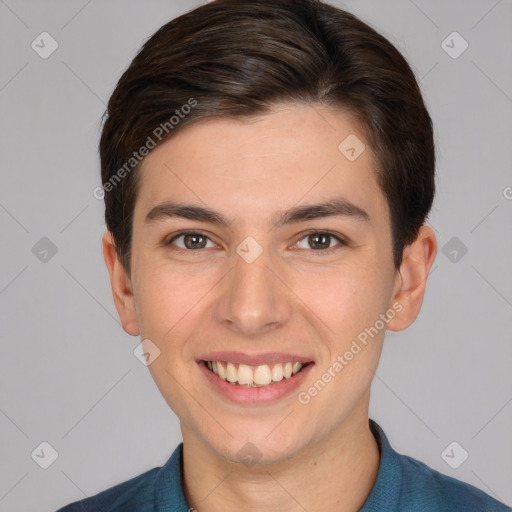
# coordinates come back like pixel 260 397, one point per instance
pixel 320 241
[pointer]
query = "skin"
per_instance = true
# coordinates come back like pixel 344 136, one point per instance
pixel 292 298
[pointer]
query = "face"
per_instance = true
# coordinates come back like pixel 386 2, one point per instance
pixel 246 271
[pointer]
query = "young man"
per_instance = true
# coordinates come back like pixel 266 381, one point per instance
pixel 268 167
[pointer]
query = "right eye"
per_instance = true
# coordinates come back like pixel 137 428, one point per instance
pixel 190 241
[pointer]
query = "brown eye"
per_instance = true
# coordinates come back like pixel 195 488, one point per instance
pixel 190 241
pixel 321 242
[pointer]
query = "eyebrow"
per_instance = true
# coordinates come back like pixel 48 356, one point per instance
pixel 337 207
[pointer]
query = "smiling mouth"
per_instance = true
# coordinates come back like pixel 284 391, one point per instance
pixel 254 376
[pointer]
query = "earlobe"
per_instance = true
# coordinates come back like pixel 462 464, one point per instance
pixel 411 279
pixel 121 286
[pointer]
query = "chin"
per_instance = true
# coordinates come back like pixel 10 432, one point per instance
pixel 254 450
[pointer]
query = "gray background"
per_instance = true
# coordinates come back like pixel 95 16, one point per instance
pixel 68 375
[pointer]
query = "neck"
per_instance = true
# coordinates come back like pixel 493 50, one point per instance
pixel 338 473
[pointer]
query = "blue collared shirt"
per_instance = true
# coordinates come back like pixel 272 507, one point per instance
pixel 403 485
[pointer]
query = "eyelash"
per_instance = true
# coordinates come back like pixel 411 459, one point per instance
pixel 319 252
pixel 323 252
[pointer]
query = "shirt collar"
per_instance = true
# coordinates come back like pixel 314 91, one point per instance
pixel 385 495
pixel 169 495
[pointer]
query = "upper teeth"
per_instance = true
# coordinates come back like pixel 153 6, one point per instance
pixel 261 375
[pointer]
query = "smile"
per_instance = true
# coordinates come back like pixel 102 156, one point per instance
pixel 254 376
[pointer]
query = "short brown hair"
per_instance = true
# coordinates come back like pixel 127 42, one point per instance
pixel 238 58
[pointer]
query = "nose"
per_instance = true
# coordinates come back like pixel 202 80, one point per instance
pixel 253 297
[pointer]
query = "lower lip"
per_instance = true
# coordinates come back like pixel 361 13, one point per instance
pixel 255 395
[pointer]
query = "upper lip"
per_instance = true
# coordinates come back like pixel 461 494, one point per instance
pixel 254 359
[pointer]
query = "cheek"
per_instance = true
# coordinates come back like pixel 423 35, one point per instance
pixel 346 299
pixel 164 299
pixel 169 308
pixel 348 302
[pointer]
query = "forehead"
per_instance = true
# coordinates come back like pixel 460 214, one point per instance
pixel 291 155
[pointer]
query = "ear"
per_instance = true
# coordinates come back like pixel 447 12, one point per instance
pixel 121 286
pixel 411 279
